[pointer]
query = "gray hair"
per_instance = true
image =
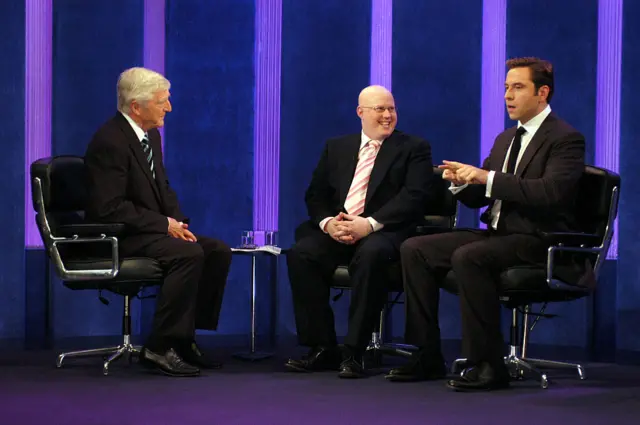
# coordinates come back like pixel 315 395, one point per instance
pixel 139 84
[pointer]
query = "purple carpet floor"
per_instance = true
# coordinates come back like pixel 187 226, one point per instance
pixel 33 391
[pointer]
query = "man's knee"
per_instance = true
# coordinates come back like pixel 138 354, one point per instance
pixel 411 246
pixel 191 252
pixel 373 256
pixel 304 249
pixel 466 255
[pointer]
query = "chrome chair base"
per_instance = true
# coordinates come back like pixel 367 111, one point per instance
pixel 518 367
pixel 110 354
pixel 377 348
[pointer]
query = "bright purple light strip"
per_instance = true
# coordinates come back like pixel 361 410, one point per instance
pixel 153 50
pixel 492 108
pixel 492 111
pixel 381 42
pixel 608 92
pixel 37 109
pixel 266 141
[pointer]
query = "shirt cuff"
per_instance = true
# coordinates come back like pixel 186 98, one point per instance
pixel 489 184
pixel 323 224
pixel 456 189
pixel 374 224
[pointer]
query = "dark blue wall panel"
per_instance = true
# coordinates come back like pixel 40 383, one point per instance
pixel 12 294
pixel 437 85
pixel 325 64
pixel 93 42
pixel 628 295
pixel 209 134
pixel 565 33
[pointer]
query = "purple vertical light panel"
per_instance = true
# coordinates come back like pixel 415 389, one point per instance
pixel 37 110
pixel 266 141
pixel 154 24
pixel 381 42
pixel 608 92
pixel 492 111
pixel 494 45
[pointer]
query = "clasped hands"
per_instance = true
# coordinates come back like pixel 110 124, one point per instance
pixel 179 230
pixel 348 229
pixel 461 174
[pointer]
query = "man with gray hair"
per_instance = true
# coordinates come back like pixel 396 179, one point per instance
pixel 128 184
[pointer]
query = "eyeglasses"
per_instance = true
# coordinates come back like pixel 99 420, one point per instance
pixel 381 109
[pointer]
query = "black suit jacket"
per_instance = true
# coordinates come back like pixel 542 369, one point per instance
pixel 541 195
pixel 121 186
pixel 399 185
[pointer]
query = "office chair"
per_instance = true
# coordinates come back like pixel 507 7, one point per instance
pixel 85 254
pixel 522 286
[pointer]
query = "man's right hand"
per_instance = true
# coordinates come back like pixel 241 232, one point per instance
pixel 451 176
pixel 177 230
pixel 334 230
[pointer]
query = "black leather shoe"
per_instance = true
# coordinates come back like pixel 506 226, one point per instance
pixel 191 354
pixel 481 378
pixel 170 363
pixel 352 368
pixel 420 367
pixel 318 359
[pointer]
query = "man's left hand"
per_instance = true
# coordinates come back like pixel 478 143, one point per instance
pixel 356 227
pixel 187 233
pixel 467 173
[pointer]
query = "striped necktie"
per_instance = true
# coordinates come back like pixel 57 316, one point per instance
pixel 146 147
pixel 354 204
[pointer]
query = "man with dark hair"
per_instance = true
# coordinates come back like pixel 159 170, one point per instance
pixel 529 184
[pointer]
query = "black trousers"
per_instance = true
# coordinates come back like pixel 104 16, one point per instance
pixel 191 294
pixel 311 263
pixel 477 257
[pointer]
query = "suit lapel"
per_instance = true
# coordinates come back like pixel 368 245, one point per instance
pixel 348 165
pixel 138 153
pixel 387 154
pixel 501 150
pixel 534 145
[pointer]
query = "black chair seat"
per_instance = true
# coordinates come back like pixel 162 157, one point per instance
pixel 341 279
pixel 134 273
pixel 523 285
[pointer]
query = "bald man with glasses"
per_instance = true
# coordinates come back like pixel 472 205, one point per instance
pixel 366 196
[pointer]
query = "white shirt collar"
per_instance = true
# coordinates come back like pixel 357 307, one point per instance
pixel 136 128
pixel 534 123
pixel 364 139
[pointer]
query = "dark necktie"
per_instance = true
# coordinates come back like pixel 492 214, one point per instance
pixel 146 147
pixel 515 150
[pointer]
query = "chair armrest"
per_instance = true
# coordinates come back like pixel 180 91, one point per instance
pixel 431 230
pixel 89 230
pixel 570 239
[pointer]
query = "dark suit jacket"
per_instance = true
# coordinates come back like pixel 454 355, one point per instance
pixel 121 186
pixel 541 195
pixel 398 189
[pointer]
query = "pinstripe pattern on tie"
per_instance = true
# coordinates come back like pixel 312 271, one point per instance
pixel 354 204
pixel 148 151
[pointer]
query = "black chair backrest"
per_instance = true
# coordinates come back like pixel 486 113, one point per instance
pixel 596 190
pixel 63 182
pixel 64 190
pixel 442 208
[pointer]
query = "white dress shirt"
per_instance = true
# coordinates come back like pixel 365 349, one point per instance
pixel 532 127
pixel 140 133
pixel 136 128
pixel 364 139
